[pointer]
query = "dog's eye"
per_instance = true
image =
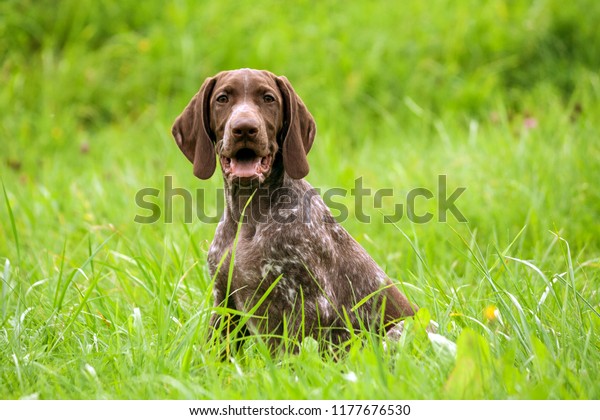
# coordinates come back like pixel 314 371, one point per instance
pixel 222 99
pixel 268 98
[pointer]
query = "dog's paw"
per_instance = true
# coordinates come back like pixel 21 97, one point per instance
pixel 440 343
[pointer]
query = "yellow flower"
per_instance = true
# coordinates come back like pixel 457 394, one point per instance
pixel 144 45
pixel 491 313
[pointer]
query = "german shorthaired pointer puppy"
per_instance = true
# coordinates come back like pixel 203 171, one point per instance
pixel 296 271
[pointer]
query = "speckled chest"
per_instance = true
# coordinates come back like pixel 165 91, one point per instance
pixel 295 256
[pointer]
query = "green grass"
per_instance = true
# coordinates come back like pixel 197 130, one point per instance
pixel 94 305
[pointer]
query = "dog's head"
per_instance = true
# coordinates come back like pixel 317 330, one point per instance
pixel 246 117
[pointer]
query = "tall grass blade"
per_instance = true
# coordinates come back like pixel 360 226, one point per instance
pixel 12 224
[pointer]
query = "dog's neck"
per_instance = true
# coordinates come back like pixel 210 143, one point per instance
pixel 254 200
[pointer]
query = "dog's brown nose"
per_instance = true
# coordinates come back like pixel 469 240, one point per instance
pixel 245 128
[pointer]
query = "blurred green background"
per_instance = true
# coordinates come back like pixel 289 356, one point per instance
pixel 500 96
pixel 401 92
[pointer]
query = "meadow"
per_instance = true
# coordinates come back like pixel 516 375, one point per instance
pixel 500 97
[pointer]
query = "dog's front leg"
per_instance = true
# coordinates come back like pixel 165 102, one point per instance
pixel 224 325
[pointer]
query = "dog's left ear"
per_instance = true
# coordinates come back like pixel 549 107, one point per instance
pixel 298 132
pixel 192 132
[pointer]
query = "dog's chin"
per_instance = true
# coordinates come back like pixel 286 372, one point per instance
pixel 246 167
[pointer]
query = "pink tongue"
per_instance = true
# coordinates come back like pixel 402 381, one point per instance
pixel 245 168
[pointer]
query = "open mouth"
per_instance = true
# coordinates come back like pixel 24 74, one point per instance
pixel 246 164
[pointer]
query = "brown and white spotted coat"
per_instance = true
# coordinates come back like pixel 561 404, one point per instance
pixel 325 282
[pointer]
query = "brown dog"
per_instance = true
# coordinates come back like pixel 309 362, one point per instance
pixel 296 271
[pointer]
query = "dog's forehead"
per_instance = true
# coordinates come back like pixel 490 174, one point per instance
pixel 245 79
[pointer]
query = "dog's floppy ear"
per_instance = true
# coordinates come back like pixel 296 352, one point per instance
pixel 192 132
pixel 298 132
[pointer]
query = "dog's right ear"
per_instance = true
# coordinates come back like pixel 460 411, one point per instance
pixel 192 132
